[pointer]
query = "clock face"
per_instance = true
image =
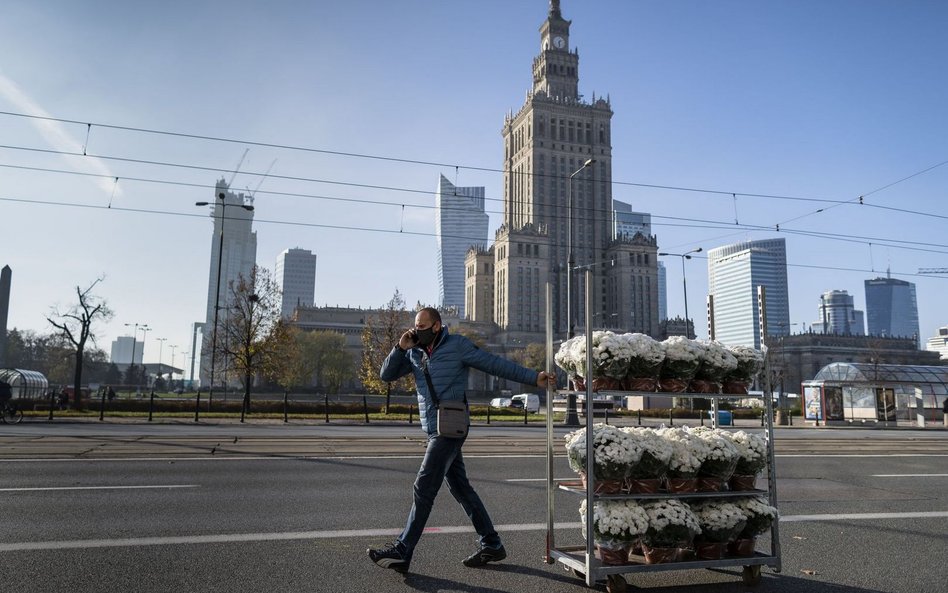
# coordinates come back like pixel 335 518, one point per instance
pixel 559 42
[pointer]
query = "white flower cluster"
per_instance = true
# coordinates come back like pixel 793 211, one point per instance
pixel 717 361
pixel 681 349
pixel 614 355
pixel 714 515
pixel 749 363
pixel 612 445
pixel 688 451
pixel 652 442
pixel 756 506
pixel 617 519
pixel 671 512
pixel 720 447
pixel 751 449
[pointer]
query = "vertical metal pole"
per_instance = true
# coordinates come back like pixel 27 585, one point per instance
pixel 52 402
pixel 197 406
pixel 591 575
pixel 549 423
pixel 102 406
pixel 151 405
pixel 286 402
pixel 365 409
pixel 326 407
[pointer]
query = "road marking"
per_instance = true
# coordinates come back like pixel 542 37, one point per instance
pixel 909 475
pixel 51 488
pixel 377 533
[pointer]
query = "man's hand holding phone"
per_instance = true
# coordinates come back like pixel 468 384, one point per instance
pixel 408 340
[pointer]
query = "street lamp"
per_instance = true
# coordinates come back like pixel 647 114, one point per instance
pixel 217 292
pixel 144 329
pixel 571 418
pixel 684 282
pixel 135 340
pixel 161 343
pixel 171 372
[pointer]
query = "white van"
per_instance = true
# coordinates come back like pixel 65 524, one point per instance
pixel 531 401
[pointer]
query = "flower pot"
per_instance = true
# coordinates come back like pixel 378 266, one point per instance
pixel 642 485
pixel 743 482
pixel 681 485
pixel 710 550
pixel 606 384
pixel 635 550
pixel 660 555
pixel 604 486
pixel 579 384
pixel 709 484
pixel 647 384
pixel 672 385
pixel 742 547
pixel 735 387
pixel 613 556
pixel 703 386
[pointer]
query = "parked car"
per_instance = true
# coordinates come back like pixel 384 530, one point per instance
pixel 530 401
pixel 500 402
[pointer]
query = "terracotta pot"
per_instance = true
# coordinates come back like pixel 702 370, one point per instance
pixel 703 386
pixel 681 485
pixel 735 387
pixel 604 486
pixel 647 384
pixel 707 484
pixel 672 385
pixel 743 482
pixel 710 550
pixel 635 550
pixel 606 384
pixel 659 555
pixel 642 485
pixel 743 547
pixel 612 556
pixel 579 384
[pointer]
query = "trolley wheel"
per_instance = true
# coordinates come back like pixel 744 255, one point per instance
pixel 616 584
pixel 578 574
pixel 751 574
pixel 12 414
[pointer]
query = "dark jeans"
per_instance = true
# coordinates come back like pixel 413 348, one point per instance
pixel 444 462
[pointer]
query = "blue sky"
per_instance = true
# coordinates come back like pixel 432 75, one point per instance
pixel 804 99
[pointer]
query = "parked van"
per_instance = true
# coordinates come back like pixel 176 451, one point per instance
pixel 531 401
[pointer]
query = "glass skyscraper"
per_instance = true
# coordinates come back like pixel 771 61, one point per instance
pixel 460 223
pixel 891 308
pixel 734 273
pixel 296 277
pixel 838 315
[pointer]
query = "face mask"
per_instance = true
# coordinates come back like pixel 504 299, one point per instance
pixel 425 336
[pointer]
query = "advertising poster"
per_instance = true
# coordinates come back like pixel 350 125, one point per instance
pixel 833 398
pixel 812 406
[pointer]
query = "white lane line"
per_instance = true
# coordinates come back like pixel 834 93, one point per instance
pixel 909 475
pixel 384 457
pixel 52 488
pixel 377 533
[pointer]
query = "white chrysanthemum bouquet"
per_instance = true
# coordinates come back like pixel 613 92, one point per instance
pixel 752 452
pixel 615 452
pixel 671 524
pixel 717 362
pixel 646 358
pixel 616 523
pixel 688 451
pixel 722 455
pixel 682 358
pixel 720 521
pixel 760 515
pixel 749 363
pixel 656 453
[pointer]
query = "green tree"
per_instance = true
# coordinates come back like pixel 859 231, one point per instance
pixel 112 375
pixel 75 324
pixel 381 332
pixel 246 335
pixel 287 366
pixel 338 368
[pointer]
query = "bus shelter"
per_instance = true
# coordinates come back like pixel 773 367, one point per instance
pixel 25 384
pixel 846 392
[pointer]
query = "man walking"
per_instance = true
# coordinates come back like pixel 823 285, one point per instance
pixel 440 362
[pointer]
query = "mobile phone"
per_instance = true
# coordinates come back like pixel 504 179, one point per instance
pixel 414 335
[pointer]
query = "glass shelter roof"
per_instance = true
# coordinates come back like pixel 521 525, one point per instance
pixel 934 378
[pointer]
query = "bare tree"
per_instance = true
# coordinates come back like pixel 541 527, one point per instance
pixel 76 326
pixel 246 335
pixel 380 333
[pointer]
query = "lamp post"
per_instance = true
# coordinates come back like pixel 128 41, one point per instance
pixel 217 292
pixel 572 419
pixel 171 372
pixel 161 344
pixel 184 355
pixel 135 340
pixel 144 329
pixel 684 282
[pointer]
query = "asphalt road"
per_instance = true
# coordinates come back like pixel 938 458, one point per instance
pixel 153 509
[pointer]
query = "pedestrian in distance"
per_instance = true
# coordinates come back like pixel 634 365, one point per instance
pixel 6 392
pixel 944 411
pixel 440 362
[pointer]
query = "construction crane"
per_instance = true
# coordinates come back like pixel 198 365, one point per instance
pixel 237 168
pixel 262 179
pixel 933 270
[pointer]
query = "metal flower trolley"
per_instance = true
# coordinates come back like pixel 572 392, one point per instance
pixel 582 560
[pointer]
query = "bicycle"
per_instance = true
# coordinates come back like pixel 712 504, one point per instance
pixel 10 414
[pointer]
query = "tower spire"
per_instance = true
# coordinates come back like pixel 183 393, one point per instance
pixel 555 9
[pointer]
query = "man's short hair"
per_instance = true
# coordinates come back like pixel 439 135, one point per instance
pixel 433 314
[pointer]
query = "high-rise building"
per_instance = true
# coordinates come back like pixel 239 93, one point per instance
pixel 236 259
pixel 123 348
pixel 662 292
pixel 939 343
pixel 460 223
pixel 296 276
pixel 838 315
pixel 626 223
pixel 734 273
pixel 558 210
pixel 891 308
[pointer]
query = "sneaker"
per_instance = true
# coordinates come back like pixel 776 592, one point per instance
pixel 390 557
pixel 485 555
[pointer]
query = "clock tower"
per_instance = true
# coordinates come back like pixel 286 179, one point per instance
pixel 555 70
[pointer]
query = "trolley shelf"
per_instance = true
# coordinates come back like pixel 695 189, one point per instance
pixel 575 557
pixel 576 487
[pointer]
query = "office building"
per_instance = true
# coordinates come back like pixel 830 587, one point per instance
pixel 558 204
pixel 662 292
pixel 734 273
pixel 838 315
pixel 626 223
pixel 295 274
pixel 891 308
pixel 460 224
pixel 122 349
pixel 939 343
pixel 236 259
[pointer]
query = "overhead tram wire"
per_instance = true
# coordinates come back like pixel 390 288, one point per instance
pixel 707 224
pixel 726 193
